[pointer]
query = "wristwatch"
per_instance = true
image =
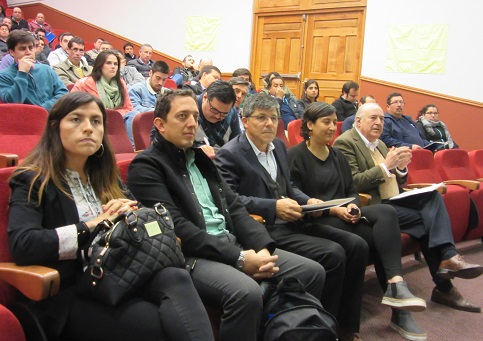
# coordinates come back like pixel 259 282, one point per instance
pixel 240 263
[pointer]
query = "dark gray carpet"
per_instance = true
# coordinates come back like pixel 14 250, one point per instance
pixel 439 322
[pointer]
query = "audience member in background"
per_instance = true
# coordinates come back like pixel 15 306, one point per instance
pixel 105 45
pixel 217 123
pixel 346 104
pixel 105 82
pixel 204 62
pixel 186 73
pixel 60 54
pixel 289 108
pixel 42 33
pixel 95 51
pixel 240 86
pixel 39 47
pixel 72 69
pixel 399 129
pixel 2 12
pixel 59 195
pixel 254 164
pixel 267 79
pixel 226 250
pixel 8 22
pixel 246 75
pixel 129 51
pixel 379 171
pixel 4 32
pixel 129 74
pixel 349 121
pixel 434 130
pixel 310 95
pixel 323 172
pixel 17 22
pixel 143 95
pixel 207 75
pixel 143 63
pixel 39 22
pixel 21 82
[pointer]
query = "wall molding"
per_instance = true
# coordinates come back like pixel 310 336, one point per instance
pixel 421 91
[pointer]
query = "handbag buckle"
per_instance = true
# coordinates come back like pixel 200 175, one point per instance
pixel 97 274
pixel 156 208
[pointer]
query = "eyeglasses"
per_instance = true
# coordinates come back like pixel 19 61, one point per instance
pixel 265 118
pixel 217 112
pixel 397 102
pixel 432 113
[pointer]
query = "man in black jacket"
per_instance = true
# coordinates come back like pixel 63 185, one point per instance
pixel 227 251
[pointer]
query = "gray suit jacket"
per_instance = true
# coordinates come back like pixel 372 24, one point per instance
pixel 367 176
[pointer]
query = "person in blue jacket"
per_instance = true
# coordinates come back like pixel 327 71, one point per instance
pixel 25 81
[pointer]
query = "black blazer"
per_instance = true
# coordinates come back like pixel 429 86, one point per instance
pixel 241 169
pixel 159 174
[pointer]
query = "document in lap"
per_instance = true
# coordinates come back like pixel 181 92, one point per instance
pixel 417 191
pixel 325 205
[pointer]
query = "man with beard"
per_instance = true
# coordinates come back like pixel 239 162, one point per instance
pixel 143 95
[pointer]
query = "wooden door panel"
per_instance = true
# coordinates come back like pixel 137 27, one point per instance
pixel 333 50
pixel 278 47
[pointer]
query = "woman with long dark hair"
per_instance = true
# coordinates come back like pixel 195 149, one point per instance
pixel 60 192
pixel 106 83
pixel 323 172
pixel 311 93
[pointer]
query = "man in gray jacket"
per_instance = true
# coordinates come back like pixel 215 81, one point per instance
pixel 73 68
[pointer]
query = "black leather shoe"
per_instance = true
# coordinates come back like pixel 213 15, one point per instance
pixel 457 267
pixel 403 322
pixel 454 299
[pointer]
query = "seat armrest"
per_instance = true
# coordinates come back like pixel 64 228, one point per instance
pixel 34 281
pixel 8 160
pixel 470 184
pixel 258 218
pixel 365 199
pixel 441 190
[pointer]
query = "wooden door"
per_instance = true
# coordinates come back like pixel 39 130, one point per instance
pixel 333 50
pixel 278 47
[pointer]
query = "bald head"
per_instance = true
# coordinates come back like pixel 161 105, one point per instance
pixel 204 62
pixel 17 13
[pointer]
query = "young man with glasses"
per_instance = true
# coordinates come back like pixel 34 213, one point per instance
pixel 218 124
pixel 399 129
pixel 73 68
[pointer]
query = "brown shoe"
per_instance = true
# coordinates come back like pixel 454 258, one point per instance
pixel 454 299
pixel 457 267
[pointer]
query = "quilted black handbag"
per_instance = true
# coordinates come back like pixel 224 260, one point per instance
pixel 129 252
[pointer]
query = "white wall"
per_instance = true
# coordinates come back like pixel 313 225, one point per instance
pixel 465 43
pixel 162 24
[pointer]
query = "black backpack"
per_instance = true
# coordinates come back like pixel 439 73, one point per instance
pixel 292 314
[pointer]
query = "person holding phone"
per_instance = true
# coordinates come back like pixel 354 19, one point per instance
pixel 323 172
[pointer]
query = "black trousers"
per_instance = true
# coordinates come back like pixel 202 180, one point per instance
pixel 240 297
pixel 425 218
pixel 344 257
pixel 382 235
pixel 168 308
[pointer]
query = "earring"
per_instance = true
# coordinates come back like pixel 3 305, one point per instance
pixel 310 135
pixel 102 152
